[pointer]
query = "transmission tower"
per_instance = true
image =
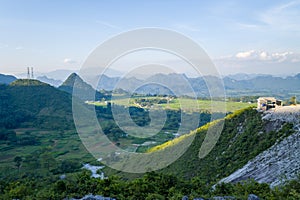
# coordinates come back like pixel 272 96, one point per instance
pixel 32 77
pixel 28 73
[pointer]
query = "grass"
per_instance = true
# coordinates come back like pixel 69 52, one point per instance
pixel 189 105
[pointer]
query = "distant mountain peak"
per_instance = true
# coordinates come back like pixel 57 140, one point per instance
pixel 82 89
pixel 71 80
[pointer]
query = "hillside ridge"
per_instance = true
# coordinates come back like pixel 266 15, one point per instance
pixel 281 161
pixel 245 136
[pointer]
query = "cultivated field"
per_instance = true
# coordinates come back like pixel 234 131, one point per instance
pixel 185 104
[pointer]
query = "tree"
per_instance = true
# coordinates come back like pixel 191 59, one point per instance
pixel 293 100
pixel 69 166
pixel 18 161
pixel 47 160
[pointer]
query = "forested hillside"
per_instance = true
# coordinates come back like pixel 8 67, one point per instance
pixel 244 136
pixel 30 103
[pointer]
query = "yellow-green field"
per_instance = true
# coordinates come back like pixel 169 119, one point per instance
pixel 185 104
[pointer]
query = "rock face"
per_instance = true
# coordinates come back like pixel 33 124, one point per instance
pixel 253 197
pixel 94 197
pixel 224 198
pixel 94 170
pixel 281 161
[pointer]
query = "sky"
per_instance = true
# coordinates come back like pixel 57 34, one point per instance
pixel 259 36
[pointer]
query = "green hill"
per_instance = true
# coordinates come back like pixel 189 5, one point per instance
pixel 31 103
pixel 27 82
pixel 36 126
pixel 244 136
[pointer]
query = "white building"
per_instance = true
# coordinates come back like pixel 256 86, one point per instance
pixel 266 103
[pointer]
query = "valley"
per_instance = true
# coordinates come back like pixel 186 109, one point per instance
pixel 37 132
pixel 149 100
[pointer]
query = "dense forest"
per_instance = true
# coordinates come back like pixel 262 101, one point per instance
pixel 151 186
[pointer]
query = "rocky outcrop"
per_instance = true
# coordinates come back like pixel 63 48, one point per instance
pixel 94 197
pixel 250 197
pixel 281 161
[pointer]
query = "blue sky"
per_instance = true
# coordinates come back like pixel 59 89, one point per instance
pixel 240 36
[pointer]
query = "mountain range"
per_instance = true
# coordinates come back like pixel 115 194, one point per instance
pixel 240 85
pixel 180 84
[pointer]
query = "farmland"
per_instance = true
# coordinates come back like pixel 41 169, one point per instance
pixel 172 103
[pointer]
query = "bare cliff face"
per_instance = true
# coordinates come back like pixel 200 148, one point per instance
pixel 281 161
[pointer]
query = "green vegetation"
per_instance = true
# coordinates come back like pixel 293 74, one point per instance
pixel 141 117
pixel 45 152
pixel 38 144
pixel 27 82
pixel 37 135
pixel 244 136
pixel 293 101
pixel 184 104
pixel 38 105
pixel 151 186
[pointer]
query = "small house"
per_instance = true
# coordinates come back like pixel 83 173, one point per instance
pixel 267 103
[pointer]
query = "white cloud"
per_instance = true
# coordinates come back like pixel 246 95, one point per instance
pixel 19 48
pixel 69 61
pixel 255 55
pixel 107 24
pixel 263 55
pixel 259 61
pixel 245 54
pixel 282 17
pixel 248 26
pixel 187 27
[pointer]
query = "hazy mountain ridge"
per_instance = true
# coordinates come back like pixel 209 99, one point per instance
pixel 50 81
pixel 235 85
pixel 6 79
pixel 180 84
pixel 244 76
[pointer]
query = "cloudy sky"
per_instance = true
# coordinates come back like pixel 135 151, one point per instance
pixel 259 36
